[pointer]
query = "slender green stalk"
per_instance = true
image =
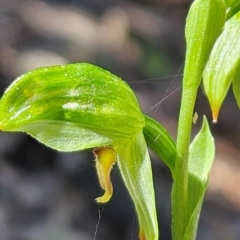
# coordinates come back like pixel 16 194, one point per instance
pixel 180 187
pixel 204 24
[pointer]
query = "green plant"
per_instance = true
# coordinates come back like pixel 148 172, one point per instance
pixel 80 106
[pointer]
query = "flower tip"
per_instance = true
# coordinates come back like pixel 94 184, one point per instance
pixel 215 117
pixel 214 121
pixel 104 198
pixel 142 236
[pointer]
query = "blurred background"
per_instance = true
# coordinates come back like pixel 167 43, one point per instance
pixel 47 195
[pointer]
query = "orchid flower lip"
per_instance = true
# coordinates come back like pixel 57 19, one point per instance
pixel 105 158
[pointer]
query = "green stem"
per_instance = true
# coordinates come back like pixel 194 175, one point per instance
pixel 180 186
pixel 201 33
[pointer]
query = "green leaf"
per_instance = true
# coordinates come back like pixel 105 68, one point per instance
pixel 160 141
pixel 201 157
pixel 71 107
pixel 233 6
pixel 236 86
pixel 191 230
pixel 201 153
pixel 222 65
pixel 135 167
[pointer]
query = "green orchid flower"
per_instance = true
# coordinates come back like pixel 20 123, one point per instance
pixel 80 106
pixel 216 78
